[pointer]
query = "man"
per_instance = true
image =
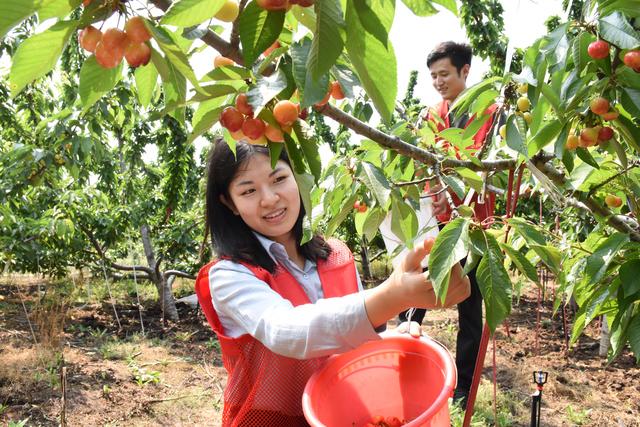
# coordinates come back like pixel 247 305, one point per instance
pixel 449 65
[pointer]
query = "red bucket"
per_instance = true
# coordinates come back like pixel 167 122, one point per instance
pixel 398 376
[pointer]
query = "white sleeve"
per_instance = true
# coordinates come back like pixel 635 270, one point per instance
pixel 247 305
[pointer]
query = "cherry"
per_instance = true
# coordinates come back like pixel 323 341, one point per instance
pixel 231 119
pixel 137 54
pixel 253 128
pixel 89 38
pixel 598 49
pixel 136 30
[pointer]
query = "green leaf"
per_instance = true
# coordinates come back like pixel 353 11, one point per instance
pixel 447 4
pixel 634 336
pixel 456 185
pixel 14 12
pixel 372 223
pixel 469 95
pixel 376 182
pixel 258 28
pixel 146 80
pixel 552 97
pixel 471 178
pixel 345 210
pixel 169 44
pixel 581 56
pixel 294 155
pixel 629 273
pixel 544 136
pixel 615 29
pixel 586 157
pixel 265 89
pixel 309 144
pixel 312 91
pixel 328 40
pixel 449 248
pixel 521 262
pixel 404 222
pixel 514 138
pixel 556 46
pixel 528 231
pixel 494 283
pixel 186 13
pixel 550 255
pixel 423 7
pixel 206 115
pixel 631 100
pixel 174 85
pixel 38 54
pixel 96 80
pixel 305 184
pixel 373 60
pixel 55 9
pixel 598 262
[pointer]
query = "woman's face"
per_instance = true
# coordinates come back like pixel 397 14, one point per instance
pixel 268 200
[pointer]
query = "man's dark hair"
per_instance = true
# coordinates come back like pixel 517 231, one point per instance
pixel 459 53
pixel 231 237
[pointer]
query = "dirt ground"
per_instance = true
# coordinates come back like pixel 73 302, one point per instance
pixel 170 375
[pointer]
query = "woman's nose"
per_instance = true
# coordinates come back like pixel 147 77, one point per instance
pixel 269 197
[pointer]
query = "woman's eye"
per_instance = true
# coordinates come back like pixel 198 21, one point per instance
pixel 281 178
pixel 249 191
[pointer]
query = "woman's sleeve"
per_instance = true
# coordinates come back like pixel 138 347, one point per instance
pixel 247 305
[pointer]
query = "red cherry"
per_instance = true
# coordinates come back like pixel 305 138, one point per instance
pixel 632 59
pixel 605 134
pixel 253 128
pixel 598 49
pixel 242 104
pixel 231 119
pixel 137 54
pixel 136 30
pixel 89 38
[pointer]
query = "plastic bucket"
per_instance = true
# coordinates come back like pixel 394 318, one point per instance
pixel 401 376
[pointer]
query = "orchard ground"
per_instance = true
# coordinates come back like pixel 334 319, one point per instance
pixel 172 375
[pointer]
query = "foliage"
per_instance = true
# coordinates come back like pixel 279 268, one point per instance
pixel 113 191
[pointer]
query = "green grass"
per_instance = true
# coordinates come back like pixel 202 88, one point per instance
pixel 509 408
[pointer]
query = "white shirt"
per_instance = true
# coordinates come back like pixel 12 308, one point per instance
pixel 247 305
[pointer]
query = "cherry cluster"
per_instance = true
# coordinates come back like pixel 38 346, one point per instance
pixel 241 123
pixel 599 49
pixel 114 44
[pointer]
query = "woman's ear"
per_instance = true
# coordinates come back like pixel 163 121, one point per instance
pixel 229 204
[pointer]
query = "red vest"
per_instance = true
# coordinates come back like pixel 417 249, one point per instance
pixel 264 389
pixel 482 210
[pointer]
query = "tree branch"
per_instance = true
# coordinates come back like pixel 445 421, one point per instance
pixel 417 153
pixel 177 273
pixel 212 39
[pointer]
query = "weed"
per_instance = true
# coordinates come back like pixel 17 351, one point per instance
pixel 577 416
pixel 184 336
pixel 106 390
pixel 3 408
pixel 20 423
pixel 213 344
pixel 142 376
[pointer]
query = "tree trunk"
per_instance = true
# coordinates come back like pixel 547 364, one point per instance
pixel 167 302
pixel 604 337
pixel 364 255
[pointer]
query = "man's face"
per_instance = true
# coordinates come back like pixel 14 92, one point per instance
pixel 446 79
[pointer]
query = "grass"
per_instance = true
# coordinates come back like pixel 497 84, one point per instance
pixel 509 409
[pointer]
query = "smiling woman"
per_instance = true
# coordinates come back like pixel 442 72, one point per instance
pixel 278 306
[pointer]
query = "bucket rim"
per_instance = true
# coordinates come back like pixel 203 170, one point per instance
pixel 443 354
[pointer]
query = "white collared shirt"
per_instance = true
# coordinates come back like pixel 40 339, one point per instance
pixel 247 305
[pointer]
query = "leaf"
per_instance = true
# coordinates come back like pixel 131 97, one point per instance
pixel 309 144
pixel 544 136
pixel 258 28
pixel 552 97
pixel 376 182
pixel 404 222
pixel 528 231
pixel 96 80
pixel 207 114
pixel 345 210
pixel 615 29
pixel 54 9
pixel 185 13
pixel 374 61
pixel 169 44
pixel 146 80
pixel 521 262
pixel 372 223
pixel 313 91
pixel 514 138
pixel 631 100
pixel 422 7
pixel 550 255
pixel 447 4
pixel 38 54
pixel 634 336
pixel 581 56
pixel 174 85
pixel 469 95
pixel 629 273
pixel 449 248
pixel 598 262
pixel 494 283
pixel 455 184
pixel 294 154
pixel 586 157
pixel 328 40
pixel 14 12
pixel 265 89
pixel 557 45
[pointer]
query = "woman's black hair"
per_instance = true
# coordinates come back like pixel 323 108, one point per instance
pixel 230 235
